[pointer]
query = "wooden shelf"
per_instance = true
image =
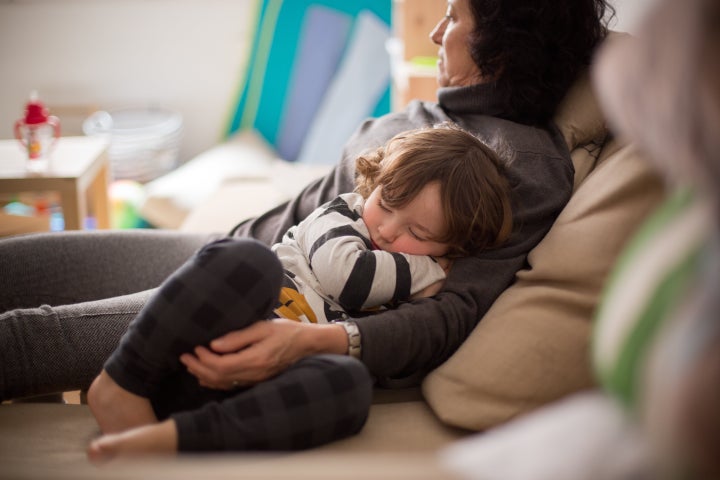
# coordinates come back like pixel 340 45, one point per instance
pixel 78 169
pixel 413 20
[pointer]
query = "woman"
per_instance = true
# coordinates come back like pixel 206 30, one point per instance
pixel 503 67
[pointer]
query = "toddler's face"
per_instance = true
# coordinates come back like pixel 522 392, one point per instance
pixel 410 229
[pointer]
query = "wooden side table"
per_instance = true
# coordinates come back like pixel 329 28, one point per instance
pixel 79 169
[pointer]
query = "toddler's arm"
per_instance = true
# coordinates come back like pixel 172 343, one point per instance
pixel 336 243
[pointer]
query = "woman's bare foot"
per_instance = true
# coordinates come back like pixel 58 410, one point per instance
pixel 157 438
pixel 116 409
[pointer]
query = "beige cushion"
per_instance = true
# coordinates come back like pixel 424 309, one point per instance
pixel 579 117
pixel 532 346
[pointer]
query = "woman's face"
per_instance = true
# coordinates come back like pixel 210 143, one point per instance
pixel 455 66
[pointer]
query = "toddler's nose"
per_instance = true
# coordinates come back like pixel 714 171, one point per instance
pixel 388 233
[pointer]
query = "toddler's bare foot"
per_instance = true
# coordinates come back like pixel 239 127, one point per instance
pixel 157 438
pixel 116 409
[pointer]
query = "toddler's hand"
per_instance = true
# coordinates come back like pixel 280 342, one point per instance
pixel 430 290
pixel 445 263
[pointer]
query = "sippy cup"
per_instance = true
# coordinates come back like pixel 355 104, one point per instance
pixel 37 132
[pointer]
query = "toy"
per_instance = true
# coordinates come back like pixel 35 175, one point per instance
pixel 37 132
pixel 126 196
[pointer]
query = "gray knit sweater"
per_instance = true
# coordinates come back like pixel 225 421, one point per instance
pixel 420 335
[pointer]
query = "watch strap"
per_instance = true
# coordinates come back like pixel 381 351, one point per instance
pixel 353 334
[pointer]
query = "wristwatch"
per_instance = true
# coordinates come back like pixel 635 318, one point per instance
pixel 353 334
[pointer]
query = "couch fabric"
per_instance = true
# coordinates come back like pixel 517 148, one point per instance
pixel 42 441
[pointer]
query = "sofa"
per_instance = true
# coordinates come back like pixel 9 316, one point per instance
pixel 529 353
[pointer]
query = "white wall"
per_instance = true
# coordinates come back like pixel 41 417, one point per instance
pixel 186 55
pixel 629 13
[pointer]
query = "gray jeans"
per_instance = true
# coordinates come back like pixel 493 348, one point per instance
pixel 67 298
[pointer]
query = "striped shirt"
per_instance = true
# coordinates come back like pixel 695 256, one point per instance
pixel 332 270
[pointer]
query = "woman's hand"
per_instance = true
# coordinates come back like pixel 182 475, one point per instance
pixel 260 351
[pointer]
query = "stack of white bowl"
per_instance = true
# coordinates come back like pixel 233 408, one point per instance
pixel 144 142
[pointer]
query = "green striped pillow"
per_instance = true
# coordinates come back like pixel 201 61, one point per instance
pixel 651 281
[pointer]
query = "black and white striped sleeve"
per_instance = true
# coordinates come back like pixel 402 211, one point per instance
pixel 351 273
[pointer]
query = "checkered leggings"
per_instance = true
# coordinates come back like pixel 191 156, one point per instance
pixel 226 286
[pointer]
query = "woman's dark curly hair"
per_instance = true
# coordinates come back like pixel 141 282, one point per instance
pixel 535 49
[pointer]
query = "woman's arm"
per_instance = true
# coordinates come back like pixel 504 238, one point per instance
pixel 433 328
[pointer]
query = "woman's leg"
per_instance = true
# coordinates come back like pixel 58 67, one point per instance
pixel 228 285
pixel 72 267
pixel 56 349
pixel 50 343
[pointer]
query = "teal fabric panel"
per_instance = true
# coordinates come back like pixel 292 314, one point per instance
pixel 263 97
pixel 322 43
pixel 383 105
pixel 359 84
pixel 243 115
